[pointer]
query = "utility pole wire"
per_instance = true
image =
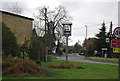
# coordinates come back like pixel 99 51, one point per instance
pixel 93 25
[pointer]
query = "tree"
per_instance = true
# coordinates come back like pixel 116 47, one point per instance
pixel 53 19
pixel 35 47
pixel 77 47
pixel 9 43
pixel 90 46
pixel 55 16
pixel 15 8
pixel 101 39
pixel 110 36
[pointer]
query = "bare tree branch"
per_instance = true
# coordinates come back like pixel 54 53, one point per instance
pixel 15 8
pixel 57 16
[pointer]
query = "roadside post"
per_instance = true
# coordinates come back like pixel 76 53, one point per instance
pixel 104 51
pixel 115 44
pixel 67 33
pixel 108 41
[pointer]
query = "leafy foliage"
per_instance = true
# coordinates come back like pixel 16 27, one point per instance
pixel 90 45
pixel 36 47
pixel 90 50
pixel 9 43
pixel 77 47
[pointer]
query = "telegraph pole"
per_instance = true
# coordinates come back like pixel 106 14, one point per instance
pixel 45 35
pixel 110 39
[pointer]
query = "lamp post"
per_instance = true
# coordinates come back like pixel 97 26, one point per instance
pixel 86 42
pixel 86 31
pixel 67 33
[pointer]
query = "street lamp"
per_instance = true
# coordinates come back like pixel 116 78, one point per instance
pixel 67 33
pixel 86 42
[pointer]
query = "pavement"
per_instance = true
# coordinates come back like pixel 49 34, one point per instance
pixel 80 58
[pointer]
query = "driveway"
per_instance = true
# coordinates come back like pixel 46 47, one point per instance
pixel 79 58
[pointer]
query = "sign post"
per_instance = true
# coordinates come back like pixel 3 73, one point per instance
pixel 67 33
pixel 104 51
pixel 116 43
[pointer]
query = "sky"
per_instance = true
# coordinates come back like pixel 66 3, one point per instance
pixel 91 13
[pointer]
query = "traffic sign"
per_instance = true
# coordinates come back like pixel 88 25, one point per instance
pixel 116 50
pixel 115 43
pixel 104 49
pixel 116 32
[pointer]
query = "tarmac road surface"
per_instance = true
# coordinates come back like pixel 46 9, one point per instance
pixel 80 58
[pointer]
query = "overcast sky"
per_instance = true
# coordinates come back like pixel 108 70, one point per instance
pixel 84 12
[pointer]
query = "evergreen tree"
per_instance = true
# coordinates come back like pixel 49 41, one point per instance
pixel 101 38
pixel 110 36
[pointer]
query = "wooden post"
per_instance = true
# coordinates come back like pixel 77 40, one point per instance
pixel 45 53
pixel 66 48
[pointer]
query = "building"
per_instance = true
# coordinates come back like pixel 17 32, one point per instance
pixel 21 26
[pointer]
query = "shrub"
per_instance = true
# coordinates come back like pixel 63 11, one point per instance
pixel 38 62
pixel 54 66
pixel 78 67
pixel 36 48
pixel 21 66
pixel 9 43
pixel 65 65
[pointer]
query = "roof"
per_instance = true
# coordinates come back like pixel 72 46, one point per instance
pixel 16 15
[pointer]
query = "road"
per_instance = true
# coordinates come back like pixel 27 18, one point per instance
pixel 79 58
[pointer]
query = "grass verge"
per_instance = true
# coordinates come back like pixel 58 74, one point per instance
pixel 91 71
pixel 108 60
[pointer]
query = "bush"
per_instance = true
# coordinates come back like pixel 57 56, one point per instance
pixel 9 43
pixel 16 66
pixel 78 67
pixel 90 50
pixel 65 65
pixel 54 66
pixel 38 62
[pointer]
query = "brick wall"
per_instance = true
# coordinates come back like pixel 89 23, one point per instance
pixel 20 26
